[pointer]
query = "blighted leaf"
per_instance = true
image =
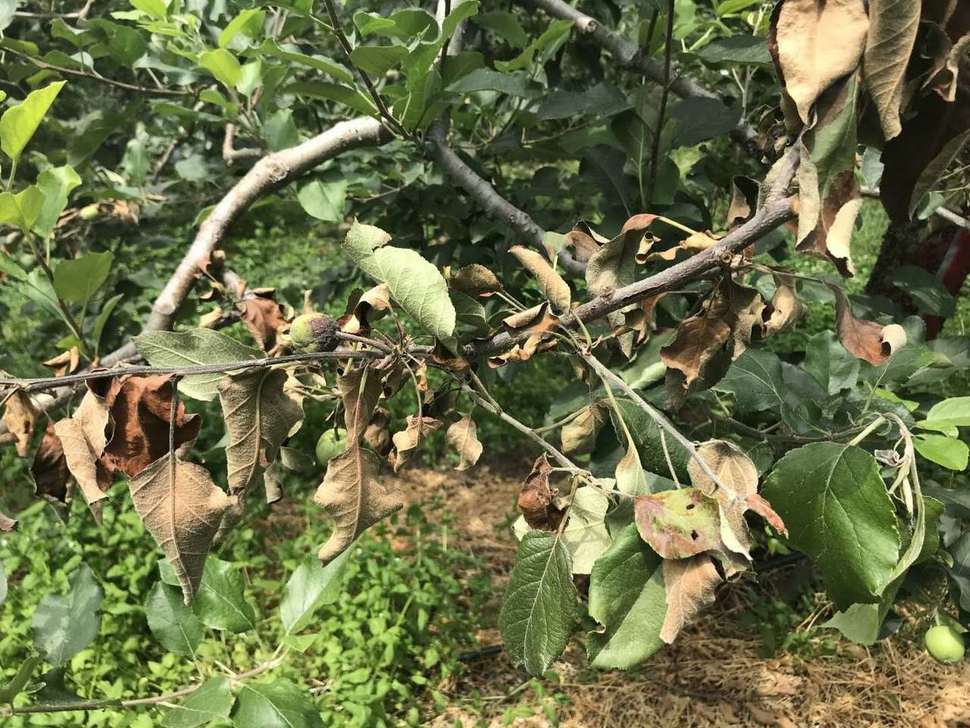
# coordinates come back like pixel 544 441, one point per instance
pixel 535 498
pixel 65 625
pixel 785 307
pixel 698 343
pixel 7 524
pixel 554 288
pixel 463 438
pixel 417 285
pixel 49 468
pixel 354 497
pixel 539 609
pixel 264 319
pixel 892 34
pixel 475 280
pixel 864 339
pixel 831 234
pixel 678 523
pixel 141 408
pixel 406 441
pixel 181 507
pixel 627 597
pixel 20 416
pixel 614 264
pixel 360 390
pixel 814 44
pixel 690 585
pixel 585 534
pixel 840 486
pixel 259 415
pixel 374 301
pixel 578 436
pixel 83 464
pixel 532 326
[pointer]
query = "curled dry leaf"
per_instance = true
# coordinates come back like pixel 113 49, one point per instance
pixel 535 324
pixel 181 508
pixel 831 236
pixel 360 390
pixel 584 241
pixel 64 363
pixel 690 585
pixel 259 415
pixel 536 498
pixel 377 436
pixel 20 415
pixel 211 319
pixel 372 303
pixel 354 497
pixel 864 339
pixel 785 308
pixel 84 464
pixel 814 44
pixel 744 201
pixel 475 280
pixel 553 286
pixel 578 436
pixel 699 242
pixel 49 468
pixel 141 408
pixel 7 523
pixel 463 437
pixel 263 318
pixel 407 440
pixel 614 263
pixel 678 523
pixel 944 78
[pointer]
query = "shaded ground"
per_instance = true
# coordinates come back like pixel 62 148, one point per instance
pixel 715 675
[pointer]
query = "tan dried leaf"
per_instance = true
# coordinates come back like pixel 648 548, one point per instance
pixel 83 464
pixel 864 339
pixel 698 341
pixel 212 318
pixel 66 362
pixel 360 390
pixel 463 437
pixel 698 242
pixel 7 523
pixel 816 43
pixel 181 508
pixel 354 497
pixel 407 440
pixel 578 436
pixel 553 286
pixel 377 436
pixel 20 415
pixel 372 302
pixel 785 307
pixel 259 415
pixel 263 318
pixel 690 585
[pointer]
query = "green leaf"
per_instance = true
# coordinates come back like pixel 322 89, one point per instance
pixel 275 704
pixel 830 363
pixel 211 701
pixel 76 280
pixel 173 624
pixel 505 25
pixel 539 609
pixel 18 124
pixel 102 320
pixel 627 597
pixel 485 79
pixel 220 602
pixel 586 536
pixel 349 97
pixel 756 380
pixel 222 65
pixel 649 442
pixel 946 451
pixel 192 348
pixel 838 512
pixel 700 119
pixel 736 50
pixel 416 285
pixel 21 209
pixel 324 200
pixel 248 22
pixel 310 587
pixel 932 173
pixel 3 585
pixel 157 9
pixel 319 63
pixel 65 625
pixel 377 60
pixel 952 412
pixel 545 47
pixel 56 183
pixel 19 681
pixel 927 291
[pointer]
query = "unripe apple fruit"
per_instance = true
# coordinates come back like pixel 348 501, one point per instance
pixel 944 643
pixel 329 446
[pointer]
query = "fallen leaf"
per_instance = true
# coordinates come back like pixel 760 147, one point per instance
pixel 20 415
pixel 690 585
pixel 354 497
pixel 463 437
pixel 181 508
pixel 864 339
pixel 553 286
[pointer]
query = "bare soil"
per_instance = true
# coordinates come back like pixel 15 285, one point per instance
pixel 715 675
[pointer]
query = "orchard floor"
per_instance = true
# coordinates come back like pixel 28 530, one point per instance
pixel 715 675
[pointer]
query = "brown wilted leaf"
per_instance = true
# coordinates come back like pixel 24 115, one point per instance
pixel 354 497
pixel 690 585
pixel 374 301
pixel 614 264
pixel 536 496
pixel 578 436
pixel 554 288
pixel 699 242
pixel 141 409
pixel 212 318
pixel 475 280
pixel 407 440
pixel 785 308
pixel 463 437
pixel 49 468
pixel 66 362
pixel 7 523
pixel 864 339
pixel 815 44
pixel 534 325
pixel 181 508
pixel 698 341
pixel 20 415
pixel 744 201
pixel 832 234
pixel 263 317
pixel 93 416
pixel 259 415
pixel 943 79
pixel 584 241
pixel 92 478
pixel 678 523
pixel 360 389
pixel 377 436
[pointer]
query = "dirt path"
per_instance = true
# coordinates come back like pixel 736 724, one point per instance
pixel 715 675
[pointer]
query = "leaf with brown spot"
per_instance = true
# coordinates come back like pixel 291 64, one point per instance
pixel 578 436
pixel 678 523
pixel 536 498
pixel 20 415
pixel 49 468
pixel 259 415
pixel 690 585
pixel 553 286
pixel 263 318
pixel 354 497
pixel 814 44
pixel 475 280
pixel 83 464
pixel 407 440
pixel 463 437
pixel 141 408
pixel 864 339
pixel 614 264
pixel 181 508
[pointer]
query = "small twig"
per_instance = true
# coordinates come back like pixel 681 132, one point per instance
pixel 944 212
pixel 664 94
pixel 229 152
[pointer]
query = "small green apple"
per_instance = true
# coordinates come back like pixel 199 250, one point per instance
pixel 944 643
